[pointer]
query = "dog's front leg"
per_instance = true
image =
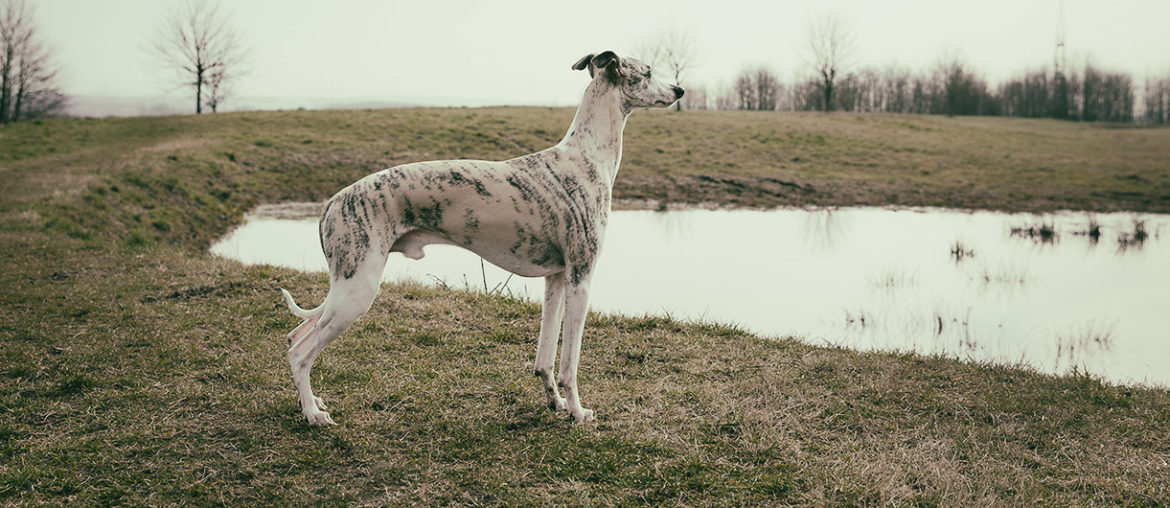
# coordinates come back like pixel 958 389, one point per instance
pixel 576 308
pixel 550 330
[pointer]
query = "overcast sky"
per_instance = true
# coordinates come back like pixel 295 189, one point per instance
pixel 520 51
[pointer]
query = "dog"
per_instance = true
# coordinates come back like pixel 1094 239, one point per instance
pixel 538 215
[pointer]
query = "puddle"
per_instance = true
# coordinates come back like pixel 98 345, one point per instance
pixel 1055 291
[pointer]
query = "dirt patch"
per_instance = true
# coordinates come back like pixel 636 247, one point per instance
pixel 295 210
pixel 172 145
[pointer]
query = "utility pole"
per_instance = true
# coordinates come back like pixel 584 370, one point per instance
pixel 1059 106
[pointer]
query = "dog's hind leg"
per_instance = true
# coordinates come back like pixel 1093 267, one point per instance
pixel 550 331
pixel 348 299
pixel 576 309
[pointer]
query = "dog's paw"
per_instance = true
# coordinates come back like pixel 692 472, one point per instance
pixel 319 419
pixel 557 404
pixel 585 416
pixel 319 403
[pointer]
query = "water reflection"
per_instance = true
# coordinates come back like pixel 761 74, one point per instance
pixel 1043 232
pixel 823 228
pixel 1134 239
pixel 980 286
pixel 959 252
pixel 1090 340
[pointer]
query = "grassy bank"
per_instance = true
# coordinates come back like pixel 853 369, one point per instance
pixel 139 370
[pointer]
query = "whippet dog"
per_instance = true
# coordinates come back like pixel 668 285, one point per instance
pixel 539 215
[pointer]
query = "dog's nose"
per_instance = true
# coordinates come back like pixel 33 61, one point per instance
pixel 678 91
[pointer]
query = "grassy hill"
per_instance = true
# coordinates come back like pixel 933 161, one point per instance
pixel 137 369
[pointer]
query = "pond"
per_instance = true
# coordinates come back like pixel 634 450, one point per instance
pixel 1056 292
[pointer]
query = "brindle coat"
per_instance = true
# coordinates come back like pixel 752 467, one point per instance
pixel 539 215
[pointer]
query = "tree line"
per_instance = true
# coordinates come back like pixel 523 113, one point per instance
pixel 951 87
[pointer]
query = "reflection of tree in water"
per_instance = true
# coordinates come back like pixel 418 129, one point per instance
pixel 825 227
pixel 1135 239
pixel 675 224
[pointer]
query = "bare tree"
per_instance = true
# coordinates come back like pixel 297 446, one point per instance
pixel 830 46
pixel 36 95
pixel 745 90
pixel 1157 99
pixel 697 97
pixel 671 50
pixel 725 98
pixel 198 43
pixel 768 89
pixel 27 87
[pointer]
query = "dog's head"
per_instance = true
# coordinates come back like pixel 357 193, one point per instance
pixel 638 86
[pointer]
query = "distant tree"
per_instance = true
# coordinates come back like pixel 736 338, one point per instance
pixel 806 96
pixel 896 89
pixel 1032 95
pixel 962 92
pixel 745 91
pixel 1060 97
pixel 27 78
pixel 673 51
pixel 848 93
pixel 197 42
pixel 757 89
pixel 1106 96
pixel 869 90
pixel 1157 99
pixel 830 47
pixel 725 98
pixel 697 97
pixel 768 89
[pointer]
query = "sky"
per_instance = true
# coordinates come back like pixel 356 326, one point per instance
pixel 450 52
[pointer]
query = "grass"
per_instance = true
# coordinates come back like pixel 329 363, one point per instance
pixel 137 369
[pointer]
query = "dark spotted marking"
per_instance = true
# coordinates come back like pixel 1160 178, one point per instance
pixel 431 217
pixel 344 230
pixel 470 224
pixel 459 179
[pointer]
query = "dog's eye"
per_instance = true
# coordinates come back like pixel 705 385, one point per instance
pixel 647 74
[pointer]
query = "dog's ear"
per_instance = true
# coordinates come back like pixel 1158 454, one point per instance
pixel 610 62
pixel 583 63
pixel 606 60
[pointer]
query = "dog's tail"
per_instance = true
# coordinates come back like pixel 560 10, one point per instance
pixel 297 310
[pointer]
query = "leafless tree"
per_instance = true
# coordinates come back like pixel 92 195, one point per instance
pixel 758 89
pixel 673 51
pixel 962 91
pixel 199 44
pixel 725 98
pixel 27 88
pixel 830 47
pixel 697 97
pixel 745 90
pixel 768 89
pixel 895 89
pixel 1157 99
pixel 1106 96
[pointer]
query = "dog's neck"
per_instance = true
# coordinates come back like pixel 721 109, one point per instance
pixel 597 128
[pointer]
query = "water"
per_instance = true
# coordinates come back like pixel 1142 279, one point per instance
pixel 982 286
